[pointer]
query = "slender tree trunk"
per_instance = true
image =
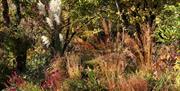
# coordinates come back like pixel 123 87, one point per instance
pixel 56 44
pixel 6 12
pixel 18 11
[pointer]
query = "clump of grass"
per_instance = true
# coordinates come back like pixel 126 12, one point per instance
pixel 133 83
pixel 73 66
pixel 108 69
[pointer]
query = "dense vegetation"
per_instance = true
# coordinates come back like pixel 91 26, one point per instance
pixel 90 45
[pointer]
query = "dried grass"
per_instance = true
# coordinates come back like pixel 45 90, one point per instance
pixel 73 66
pixel 141 45
pixel 133 84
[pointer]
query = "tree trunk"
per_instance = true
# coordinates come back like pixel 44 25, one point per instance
pixel 22 45
pixel 6 12
pixel 18 11
pixel 56 44
pixel 21 62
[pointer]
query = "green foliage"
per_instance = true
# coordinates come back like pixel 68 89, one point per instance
pixel 30 87
pixel 92 82
pixel 151 81
pixel 88 83
pixel 25 87
pixel 177 70
pixel 74 85
pixel 161 82
pixel 168 22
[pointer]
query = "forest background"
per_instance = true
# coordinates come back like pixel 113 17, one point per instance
pixel 90 45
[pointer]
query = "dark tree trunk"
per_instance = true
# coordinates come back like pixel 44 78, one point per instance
pixel 6 12
pixel 66 38
pixel 18 11
pixel 56 44
pixel 22 45
pixel 21 62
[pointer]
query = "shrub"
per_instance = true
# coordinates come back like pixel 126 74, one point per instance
pixel 168 21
